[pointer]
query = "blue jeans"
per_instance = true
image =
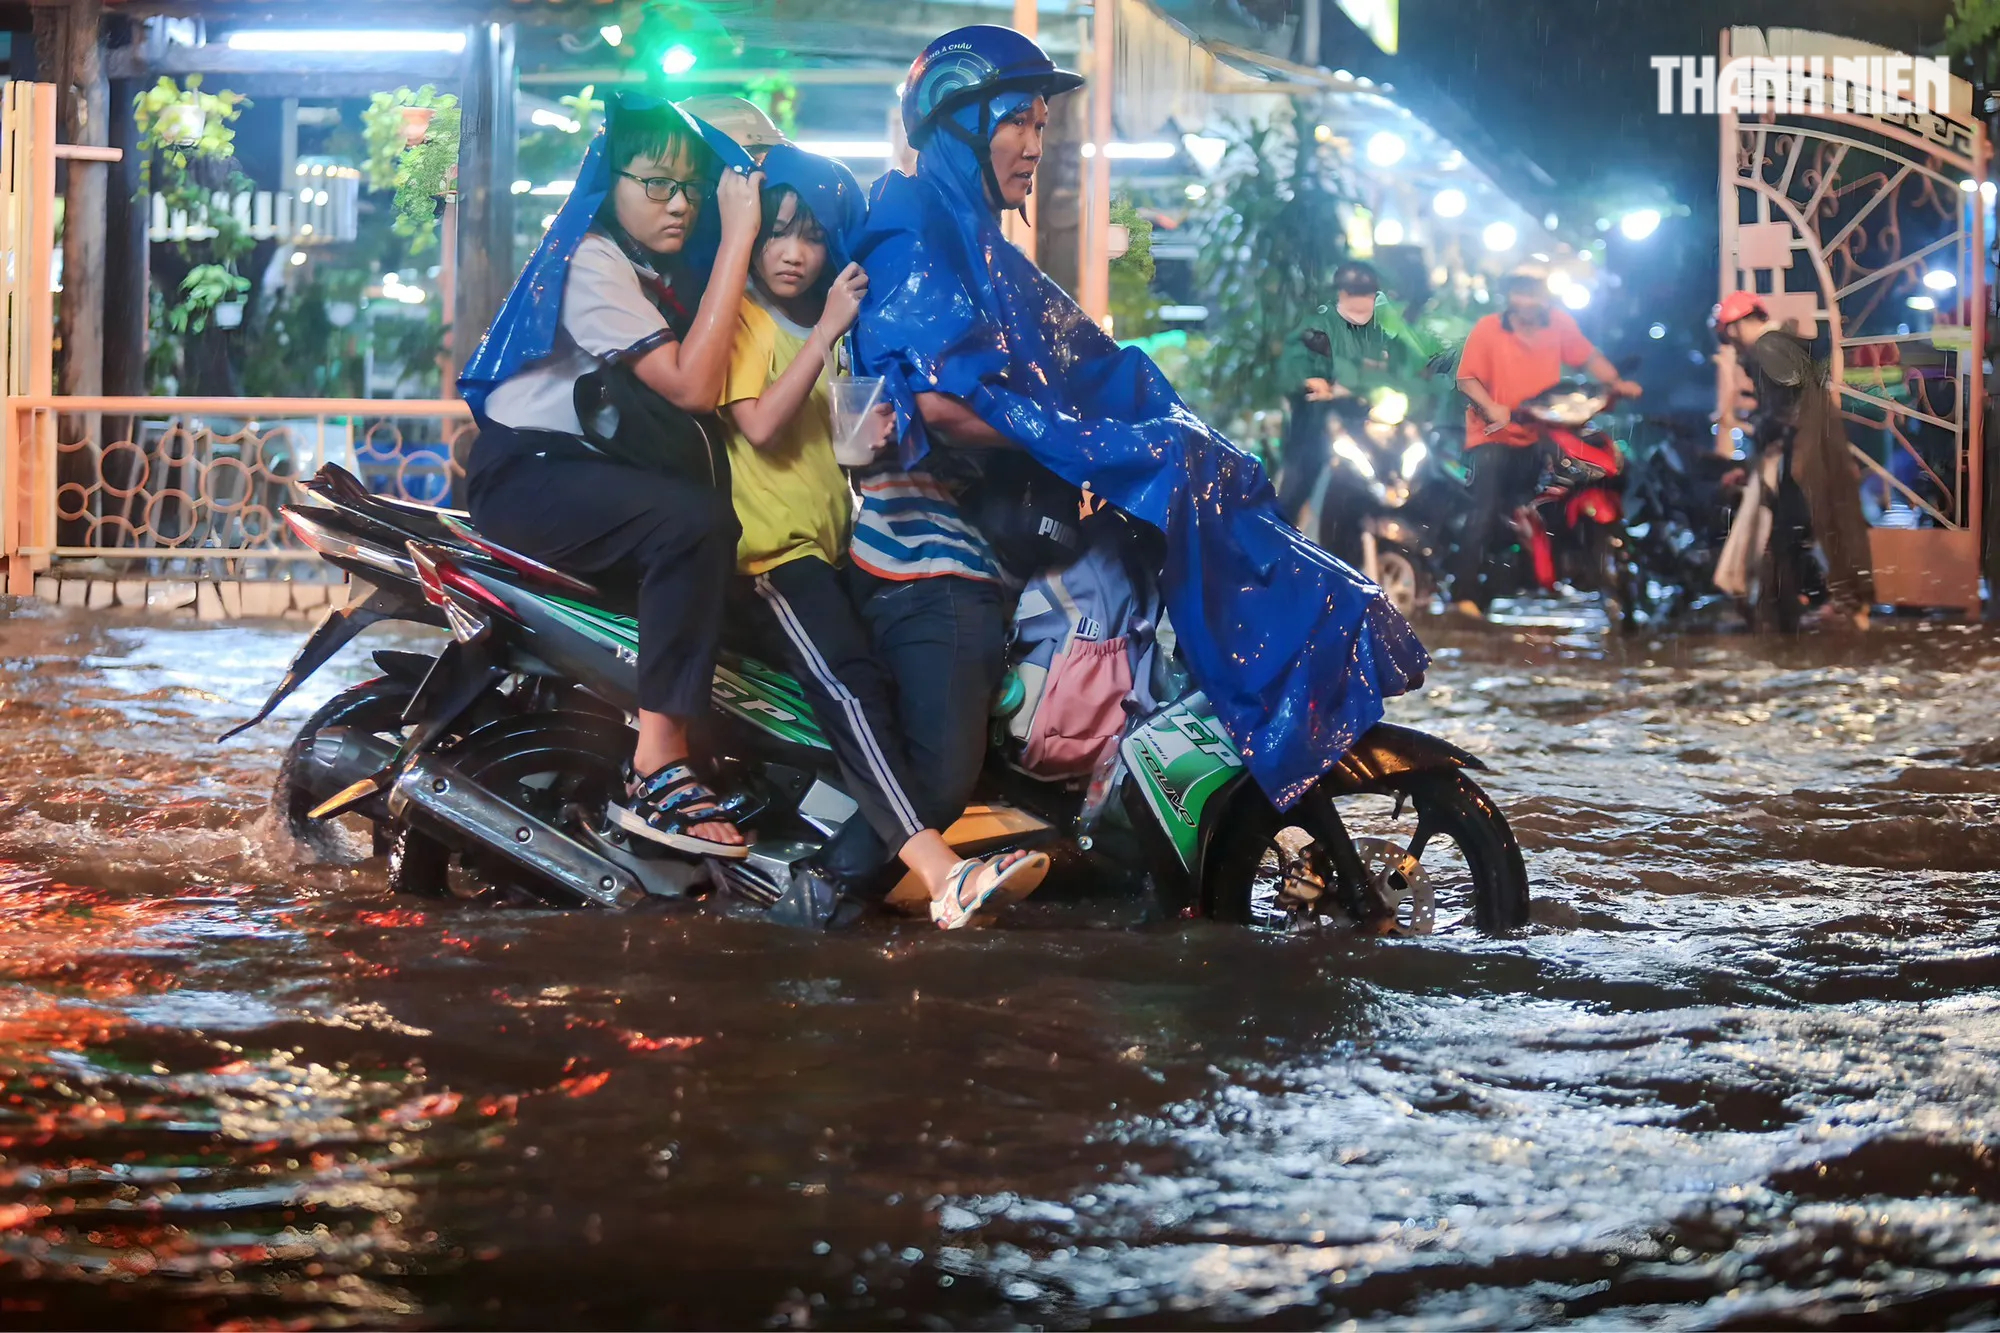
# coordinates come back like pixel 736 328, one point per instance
pixel 944 641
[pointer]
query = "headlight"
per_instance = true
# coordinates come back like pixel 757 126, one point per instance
pixel 1570 409
pixel 1347 450
pixel 1390 407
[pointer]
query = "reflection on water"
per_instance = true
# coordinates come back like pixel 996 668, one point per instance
pixel 1743 1070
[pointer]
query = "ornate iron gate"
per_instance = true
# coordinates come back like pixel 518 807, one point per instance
pixel 1870 230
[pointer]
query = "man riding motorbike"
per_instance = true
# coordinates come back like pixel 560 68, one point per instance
pixel 1339 359
pixel 1510 357
pixel 1796 417
pixel 1295 650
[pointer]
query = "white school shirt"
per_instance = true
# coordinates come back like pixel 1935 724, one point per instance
pixel 605 312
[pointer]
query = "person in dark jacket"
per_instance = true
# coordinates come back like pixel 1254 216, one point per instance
pixel 1796 413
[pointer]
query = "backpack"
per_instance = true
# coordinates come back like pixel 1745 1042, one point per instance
pixel 1083 643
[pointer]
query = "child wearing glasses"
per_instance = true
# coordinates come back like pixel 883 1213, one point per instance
pixel 611 289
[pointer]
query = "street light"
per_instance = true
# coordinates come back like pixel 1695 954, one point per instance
pixel 1639 224
pixel 1499 236
pixel 1386 149
pixel 1449 203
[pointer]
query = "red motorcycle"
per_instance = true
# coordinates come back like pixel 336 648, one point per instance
pixel 1573 531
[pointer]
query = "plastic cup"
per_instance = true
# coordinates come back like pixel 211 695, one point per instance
pixel 853 400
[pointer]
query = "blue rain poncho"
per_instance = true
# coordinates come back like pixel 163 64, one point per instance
pixel 525 329
pixel 1296 650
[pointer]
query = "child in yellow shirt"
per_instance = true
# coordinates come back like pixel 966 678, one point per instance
pixel 796 511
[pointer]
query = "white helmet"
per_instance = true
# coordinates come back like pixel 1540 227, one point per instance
pixel 739 118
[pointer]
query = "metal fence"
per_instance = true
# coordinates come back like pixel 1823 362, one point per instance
pixel 191 487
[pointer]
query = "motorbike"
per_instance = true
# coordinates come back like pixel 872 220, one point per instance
pixel 481 771
pixel 1382 502
pixel 1573 531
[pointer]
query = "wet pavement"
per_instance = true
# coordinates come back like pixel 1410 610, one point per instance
pixel 1743 1070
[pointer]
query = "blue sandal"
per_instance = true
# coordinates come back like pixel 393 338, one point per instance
pixel 665 804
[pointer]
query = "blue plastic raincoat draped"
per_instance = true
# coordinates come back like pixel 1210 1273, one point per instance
pixel 525 329
pixel 1296 650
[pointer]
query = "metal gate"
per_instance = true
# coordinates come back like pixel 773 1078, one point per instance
pixel 1870 230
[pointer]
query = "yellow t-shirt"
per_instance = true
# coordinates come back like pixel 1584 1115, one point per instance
pixel 791 496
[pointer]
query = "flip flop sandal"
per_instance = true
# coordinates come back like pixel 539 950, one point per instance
pixel 665 805
pixel 970 883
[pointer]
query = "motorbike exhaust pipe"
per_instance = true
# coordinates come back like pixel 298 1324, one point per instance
pixel 439 794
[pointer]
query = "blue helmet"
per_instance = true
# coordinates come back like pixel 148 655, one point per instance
pixel 828 188
pixel 971 64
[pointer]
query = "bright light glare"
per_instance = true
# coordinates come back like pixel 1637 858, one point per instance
pixel 612 34
pixel 1988 190
pixel 1414 456
pixel 1449 203
pixel 408 295
pixel 1145 152
pixel 1196 191
pixel 1206 149
pixel 329 39
pixel 522 187
pixel 1922 303
pixel 1345 448
pixel 555 120
pixel 1576 296
pixel 1559 281
pixel 1657 332
pixel 298 258
pixel 1968 185
pixel 1386 149
pixel 677 61
pixel 1940 280
pixel 1639 224
pixel 554 188
pixel 1499 236
pixel 1388 232
pixel 846 147
pixel 1390 408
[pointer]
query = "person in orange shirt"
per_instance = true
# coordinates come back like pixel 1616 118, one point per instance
pixel 1509 358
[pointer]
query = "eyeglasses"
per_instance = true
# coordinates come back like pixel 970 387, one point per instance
pixel 664 189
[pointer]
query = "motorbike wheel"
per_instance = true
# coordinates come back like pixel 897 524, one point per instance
pixel 548 764
pixel 374 706
pixel 1406 588
pixel 1610 555
pixel 1436 846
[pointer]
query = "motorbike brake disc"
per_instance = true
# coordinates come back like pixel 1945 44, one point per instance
pixel 1400 881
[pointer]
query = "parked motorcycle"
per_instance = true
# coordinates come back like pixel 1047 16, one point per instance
pixel 1573 531
pixel 483 771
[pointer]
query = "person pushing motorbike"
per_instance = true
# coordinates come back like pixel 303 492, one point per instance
pixel 1796 416
pixel 1509 358
pixel 1342 356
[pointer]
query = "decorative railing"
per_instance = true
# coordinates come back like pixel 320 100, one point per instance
pixel 191 487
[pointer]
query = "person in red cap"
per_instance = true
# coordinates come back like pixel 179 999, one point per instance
pixel 1796 414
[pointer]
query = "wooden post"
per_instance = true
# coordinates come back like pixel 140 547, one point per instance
pixel 1094 277
pixel 86 121
pixel 486 146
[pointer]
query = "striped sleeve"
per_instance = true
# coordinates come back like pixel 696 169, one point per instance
pixel 910 527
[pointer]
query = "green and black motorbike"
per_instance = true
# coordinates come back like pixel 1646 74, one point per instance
pixel 484 770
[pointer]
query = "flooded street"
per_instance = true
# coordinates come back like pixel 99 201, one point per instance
pixel 1743 1070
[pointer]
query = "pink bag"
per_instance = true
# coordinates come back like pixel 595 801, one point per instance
pixel 1082 708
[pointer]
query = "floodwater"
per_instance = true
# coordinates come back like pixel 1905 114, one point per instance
pixel 1743 1070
